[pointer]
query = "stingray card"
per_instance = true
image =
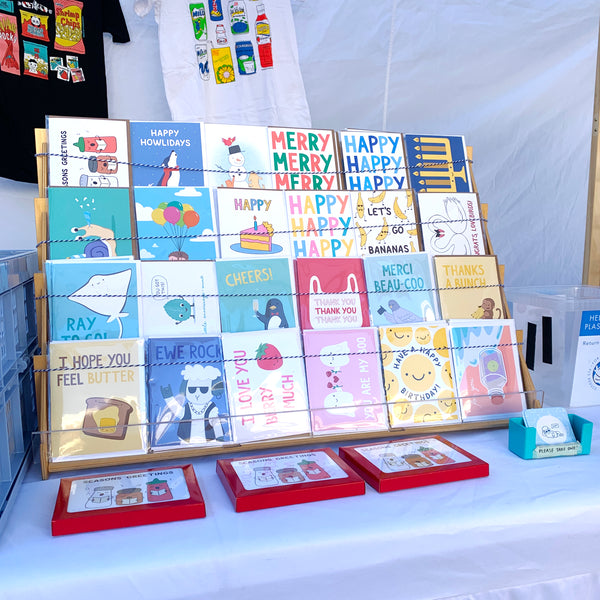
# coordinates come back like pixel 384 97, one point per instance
pixel 417 374
pixel 166 154
pixel 97 399
pixel 487 368
pixel 256 294
pixel 175 223
pixel 252 223
pixel 401 289
pixel 345 387
pixel 89 223
pixel 266 384
pixel 187 399
pixel 331 293
pixel 451 223
pixel 92 299
pixel 237 156
pixel 179 298
pixel 88 152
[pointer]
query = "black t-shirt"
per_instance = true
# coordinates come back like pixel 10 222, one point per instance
pixel 51 63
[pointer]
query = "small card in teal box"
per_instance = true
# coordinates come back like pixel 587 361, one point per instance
pixel 522 439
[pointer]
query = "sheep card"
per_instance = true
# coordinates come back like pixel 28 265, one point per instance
pixel 373 160
pixel 272 480
pixel 487 369
pixel 437 163
pixel 345 387
pixel 412 462
pixel 386 222
pixel 89 223
pixel 187 397
pixel 417 374
pixel 92 299
pixel 256 294
pixel 451 223
pixel 331 293
pixel 252 222
pixel 320 224
pixel 86 152
pixel 176 223
pixel 304 159
pixel 469 287
pixel 97 399
pixel 179 297
pixel 401 289
pixel 266 384
pixel 166 154
pixel 237 156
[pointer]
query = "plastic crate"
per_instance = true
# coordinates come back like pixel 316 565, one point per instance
pixel 550 318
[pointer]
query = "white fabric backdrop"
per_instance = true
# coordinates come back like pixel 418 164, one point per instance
pixel 515 77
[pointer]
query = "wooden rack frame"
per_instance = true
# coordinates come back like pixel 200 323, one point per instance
pixel 533 397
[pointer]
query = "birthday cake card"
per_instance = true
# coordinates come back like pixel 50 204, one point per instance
pixel 417 374
pixel 345 387
pixel 97 399
pixel 176 223
pixel 266 384
pixel 187 397
pixel 321 224
pixel 252 222
pixel 179 297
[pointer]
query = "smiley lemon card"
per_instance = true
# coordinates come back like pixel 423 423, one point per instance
pixel 417 372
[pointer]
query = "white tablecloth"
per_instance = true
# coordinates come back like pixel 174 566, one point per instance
pixel 531 530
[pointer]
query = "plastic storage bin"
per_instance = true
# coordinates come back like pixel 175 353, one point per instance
pixel 550 318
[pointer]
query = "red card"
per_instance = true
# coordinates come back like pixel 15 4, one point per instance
pixel 272 480
pixel 93 503
pixel 412 462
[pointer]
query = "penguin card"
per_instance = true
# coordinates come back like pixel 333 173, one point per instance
pixel 166 154
pixel 179 298
pixel 417 375
pixel 320 224
pixel 86 152
pixel 451 223
pixel 331 293
pixel 386 222
pixel 256 294
pixel 469 287
pixel 252 223
pixel 237 156
pixel 373 160
pixel 89 223
pixel 97 399
pixel 437 163
pixel 345 387
pixel 401 289
pixel 187 397
pixel 305 159
pixel 487 370
pixel 175 223
pixel 266 384
pixel 93 299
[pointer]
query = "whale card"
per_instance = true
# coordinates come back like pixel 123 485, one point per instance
pixel 345 387
pixel 266 384
pixel 385 222
pixel 97 399
pixel 320 224
pixel 89 222
pixel 417 374
pixel 92 299
pixel 166 154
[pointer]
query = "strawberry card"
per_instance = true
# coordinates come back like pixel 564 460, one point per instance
pixel 345 387
pixel 332 293
pixel 266 384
